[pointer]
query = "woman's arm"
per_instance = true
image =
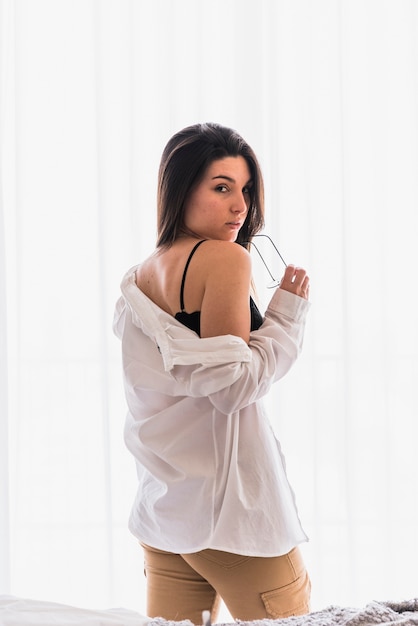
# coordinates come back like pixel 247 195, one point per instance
pixel 272 351
pixel 226 271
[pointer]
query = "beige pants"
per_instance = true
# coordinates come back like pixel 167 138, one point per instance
pixel 181 586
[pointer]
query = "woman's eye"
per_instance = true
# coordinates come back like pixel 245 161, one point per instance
pixel 222 188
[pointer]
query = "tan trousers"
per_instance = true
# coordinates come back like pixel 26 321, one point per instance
pixel 181 586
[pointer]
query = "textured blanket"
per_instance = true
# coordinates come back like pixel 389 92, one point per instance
pixel 23 612
pixel 383 613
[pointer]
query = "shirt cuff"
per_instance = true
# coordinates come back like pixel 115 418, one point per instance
pixel 289 304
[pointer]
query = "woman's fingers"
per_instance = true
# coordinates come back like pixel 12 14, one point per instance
pixel 296 280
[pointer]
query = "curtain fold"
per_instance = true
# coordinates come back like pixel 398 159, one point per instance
pixel 327 94
pixel 6 60
pixel 4 420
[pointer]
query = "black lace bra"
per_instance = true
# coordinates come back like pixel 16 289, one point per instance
pixel 192 320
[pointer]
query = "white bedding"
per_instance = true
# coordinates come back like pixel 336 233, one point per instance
pixel 24 612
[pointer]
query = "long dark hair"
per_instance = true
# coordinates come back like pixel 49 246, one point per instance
pixel 184 161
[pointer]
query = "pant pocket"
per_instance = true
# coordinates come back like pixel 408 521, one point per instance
pixel 292 599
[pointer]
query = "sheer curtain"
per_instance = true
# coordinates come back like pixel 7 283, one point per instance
pixel 327 94
pixel 4 378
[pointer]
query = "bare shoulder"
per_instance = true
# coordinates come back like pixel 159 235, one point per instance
pixel 225 247
pixel 224 256
pixel 227 279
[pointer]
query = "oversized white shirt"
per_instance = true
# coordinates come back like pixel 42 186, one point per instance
pixel 210 470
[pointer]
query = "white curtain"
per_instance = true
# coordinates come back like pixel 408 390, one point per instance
pixel 327 94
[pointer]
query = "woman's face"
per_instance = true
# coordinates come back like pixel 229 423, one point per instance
pixel 217 207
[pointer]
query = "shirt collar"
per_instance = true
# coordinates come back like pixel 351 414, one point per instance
pixel 178 344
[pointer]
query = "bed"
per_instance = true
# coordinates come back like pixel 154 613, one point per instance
pixel 25 612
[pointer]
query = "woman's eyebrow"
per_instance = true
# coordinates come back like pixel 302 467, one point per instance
pixel 231 180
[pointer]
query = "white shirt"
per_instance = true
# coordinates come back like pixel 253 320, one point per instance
pixel 210 469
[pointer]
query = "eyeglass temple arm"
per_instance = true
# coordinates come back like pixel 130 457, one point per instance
pixel 261 257
pixel 274 246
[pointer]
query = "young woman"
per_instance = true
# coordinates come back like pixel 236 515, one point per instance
pixel 214 511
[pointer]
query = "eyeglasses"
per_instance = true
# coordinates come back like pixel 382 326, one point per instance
pixel 275 282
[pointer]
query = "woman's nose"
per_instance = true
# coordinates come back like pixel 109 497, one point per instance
pixel 241 204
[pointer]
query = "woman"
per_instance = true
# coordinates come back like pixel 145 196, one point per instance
pixel 214 511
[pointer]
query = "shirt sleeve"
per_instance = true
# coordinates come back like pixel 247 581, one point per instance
pixel 272 350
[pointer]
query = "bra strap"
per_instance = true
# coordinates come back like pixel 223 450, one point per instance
pixel 183 280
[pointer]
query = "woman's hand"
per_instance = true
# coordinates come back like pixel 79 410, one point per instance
pixel 296 281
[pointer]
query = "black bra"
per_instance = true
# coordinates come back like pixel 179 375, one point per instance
pixel 192 320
